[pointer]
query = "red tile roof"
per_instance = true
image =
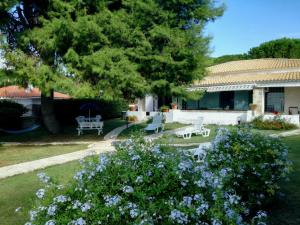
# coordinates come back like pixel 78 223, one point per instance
pixel 19 92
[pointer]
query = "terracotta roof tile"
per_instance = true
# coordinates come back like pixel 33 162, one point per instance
pixel 254 65
pixel 19 92
pixel 252 71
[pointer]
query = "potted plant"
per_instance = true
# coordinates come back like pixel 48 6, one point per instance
pixel 132 107
pixel 253 107
pixel 132 119
pixel 174 105
pixel 164 108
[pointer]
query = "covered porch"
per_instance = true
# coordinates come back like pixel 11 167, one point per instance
pixel 231 104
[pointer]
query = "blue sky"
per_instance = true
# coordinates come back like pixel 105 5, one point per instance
pixel 248 23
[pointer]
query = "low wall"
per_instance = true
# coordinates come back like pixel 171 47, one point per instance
pixel 210 117
pixel 140 115
pixel 294 119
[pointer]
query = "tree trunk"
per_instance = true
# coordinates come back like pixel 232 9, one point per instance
pixel 48 116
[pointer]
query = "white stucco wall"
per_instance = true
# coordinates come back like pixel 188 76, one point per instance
pixel 259 100
pixel 140 115
pixel 291 98
pixel 210 117
pixel 149 103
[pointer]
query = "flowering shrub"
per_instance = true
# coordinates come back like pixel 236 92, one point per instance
pixel 276 123
pixel 143 184
pixel 253 164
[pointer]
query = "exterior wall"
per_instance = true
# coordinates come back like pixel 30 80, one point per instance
pixel 259 100
pixel 210 117
pixel 141 104
pixel 291 98
pixel 140 115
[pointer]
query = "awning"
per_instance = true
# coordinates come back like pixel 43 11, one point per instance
pixel 240 87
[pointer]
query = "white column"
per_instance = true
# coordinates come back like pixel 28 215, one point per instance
pixel 259 100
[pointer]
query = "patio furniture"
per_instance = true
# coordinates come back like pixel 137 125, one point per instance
pixel 293 110
pixel 185 133
pixel 201 151
pixel 156 124
pixel 89 123
pixel 198 129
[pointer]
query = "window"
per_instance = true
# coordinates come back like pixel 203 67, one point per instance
pixel 226 100
pixel 274 99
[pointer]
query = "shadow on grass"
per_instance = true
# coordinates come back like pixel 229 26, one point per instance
pixel 68 134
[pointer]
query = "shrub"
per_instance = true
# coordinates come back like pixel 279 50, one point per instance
pixel 10 114
pixel 254 164
pixel 67 110
pixel 276 123
pixel 132 118
pixel 141 184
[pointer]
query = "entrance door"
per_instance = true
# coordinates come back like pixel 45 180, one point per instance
pixel 274 100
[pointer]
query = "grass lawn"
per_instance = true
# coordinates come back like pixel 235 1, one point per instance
pixel 16 154
pixel 287 209
pixel 19 191
pixel 172 139
pixel 68 133
pixel 138 128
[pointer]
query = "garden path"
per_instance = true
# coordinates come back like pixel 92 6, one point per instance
pixel 25 167
pixel 95 148
pixel 287 133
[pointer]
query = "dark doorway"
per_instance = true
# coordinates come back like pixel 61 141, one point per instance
pixel 164 101
pixel 227 100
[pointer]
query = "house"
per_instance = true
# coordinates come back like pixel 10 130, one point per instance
pixel 29 97
pixel 241 90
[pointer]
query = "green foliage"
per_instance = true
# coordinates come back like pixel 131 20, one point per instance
pixel 140 184
pixel 10 113
pixel 228 58
pixel 253 163
pixel 277 123
pixel 280 48
pixel 116 49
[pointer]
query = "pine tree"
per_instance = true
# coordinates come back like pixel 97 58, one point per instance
pixel 108 49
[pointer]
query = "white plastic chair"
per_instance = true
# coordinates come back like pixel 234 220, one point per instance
pixel 155 125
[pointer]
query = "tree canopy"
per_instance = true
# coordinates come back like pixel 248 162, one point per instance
pixel 108 48
pixel 227 58
pixel 280 48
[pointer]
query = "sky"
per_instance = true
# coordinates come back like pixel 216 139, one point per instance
pixel 248 23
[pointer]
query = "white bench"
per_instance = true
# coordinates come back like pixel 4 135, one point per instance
pixel 89 123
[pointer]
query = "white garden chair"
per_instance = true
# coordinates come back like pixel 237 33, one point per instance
pixel 185 133
pixel 197 128
pixel 156 124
